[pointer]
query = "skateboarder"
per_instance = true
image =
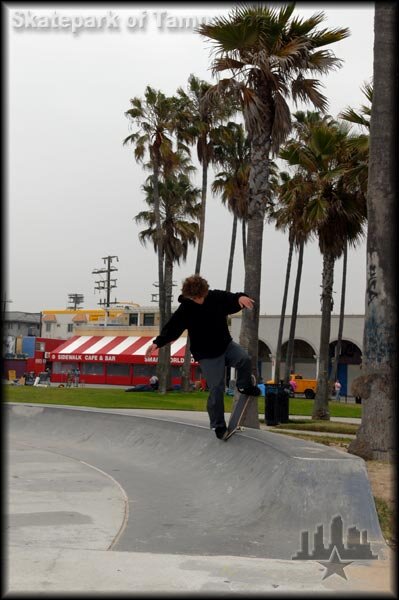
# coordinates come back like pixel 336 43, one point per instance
pixel 203 312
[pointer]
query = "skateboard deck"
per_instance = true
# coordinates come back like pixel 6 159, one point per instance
pixel 238 413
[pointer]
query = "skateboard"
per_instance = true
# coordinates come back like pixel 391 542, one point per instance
pixel 238 413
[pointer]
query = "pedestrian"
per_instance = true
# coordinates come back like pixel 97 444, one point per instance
pixel 69 379
pixel 154 383
pixel 76 377
pixel 203 312
pixel 337 390
pixel 293 384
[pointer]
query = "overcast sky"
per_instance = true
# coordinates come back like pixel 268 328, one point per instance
pixel 73 189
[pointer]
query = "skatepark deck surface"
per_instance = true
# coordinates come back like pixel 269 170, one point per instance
pixel 129 500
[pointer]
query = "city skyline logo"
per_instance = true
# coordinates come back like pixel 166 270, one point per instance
pixel 334 556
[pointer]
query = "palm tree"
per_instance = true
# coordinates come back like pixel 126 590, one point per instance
pixel 377 385
pixel 336 214
pixel 232 153
pixel 154 118
pixel 270 54
pixel 289 215
pixel 359 143
pixel 179 214
pixel 194 125
pixel 294 193
pixel 356 178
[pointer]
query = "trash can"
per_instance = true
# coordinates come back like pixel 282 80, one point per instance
pixel 276 404
pixel 283 402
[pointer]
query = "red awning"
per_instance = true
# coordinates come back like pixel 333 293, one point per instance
pixel 117 349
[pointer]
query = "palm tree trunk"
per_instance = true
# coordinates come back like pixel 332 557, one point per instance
pixel 164 353
pixel 289 362
pixel 203 208
pixel 377 386
pixel 282 316
pixel 258 185
pixel 320 406
pixel 244 238
pixel 164 368
pixel 187 355
pixel 230 274
pixel 341 315
pixel 231 257
pixel 157 214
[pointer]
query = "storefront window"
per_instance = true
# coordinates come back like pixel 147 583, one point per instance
pixel 64 367
pixel 144 370
pixel 92 369
pixel 121 370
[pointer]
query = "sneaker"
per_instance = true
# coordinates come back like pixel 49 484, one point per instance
pixel 250 390
pixel 220 432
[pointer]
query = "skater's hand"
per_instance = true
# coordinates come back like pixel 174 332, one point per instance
pixel 246 302
pixel 151 349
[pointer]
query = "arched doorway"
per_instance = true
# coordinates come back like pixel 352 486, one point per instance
pixel 349 362
pixel 264 361
pixel 304 359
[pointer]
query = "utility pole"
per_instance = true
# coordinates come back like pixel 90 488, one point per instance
pixel 108 284
pixel 75 300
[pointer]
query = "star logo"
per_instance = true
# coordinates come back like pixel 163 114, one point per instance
pixel 335 565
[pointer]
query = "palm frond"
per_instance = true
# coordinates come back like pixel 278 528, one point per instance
pixel 307 89
pixel 224 63
pixel 230 36
pixel 285 14
pixel 281 123
pixel 301 27
pixel 322 61
pixel 350 115
pixel 329 36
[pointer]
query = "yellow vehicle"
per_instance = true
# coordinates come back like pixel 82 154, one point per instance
pixel 303 386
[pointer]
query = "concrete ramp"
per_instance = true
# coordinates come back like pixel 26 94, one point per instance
pixel 189 493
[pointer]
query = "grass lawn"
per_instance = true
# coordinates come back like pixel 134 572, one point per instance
pixel 118 398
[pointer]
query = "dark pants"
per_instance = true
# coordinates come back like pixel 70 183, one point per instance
pixel 213 370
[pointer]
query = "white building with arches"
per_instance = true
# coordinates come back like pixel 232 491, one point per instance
pixel 306 348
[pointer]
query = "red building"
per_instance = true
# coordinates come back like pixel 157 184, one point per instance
pixel 115 360
pixel 33 358
pixel 43 348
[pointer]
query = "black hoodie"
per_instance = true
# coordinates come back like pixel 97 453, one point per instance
pixel 206 323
